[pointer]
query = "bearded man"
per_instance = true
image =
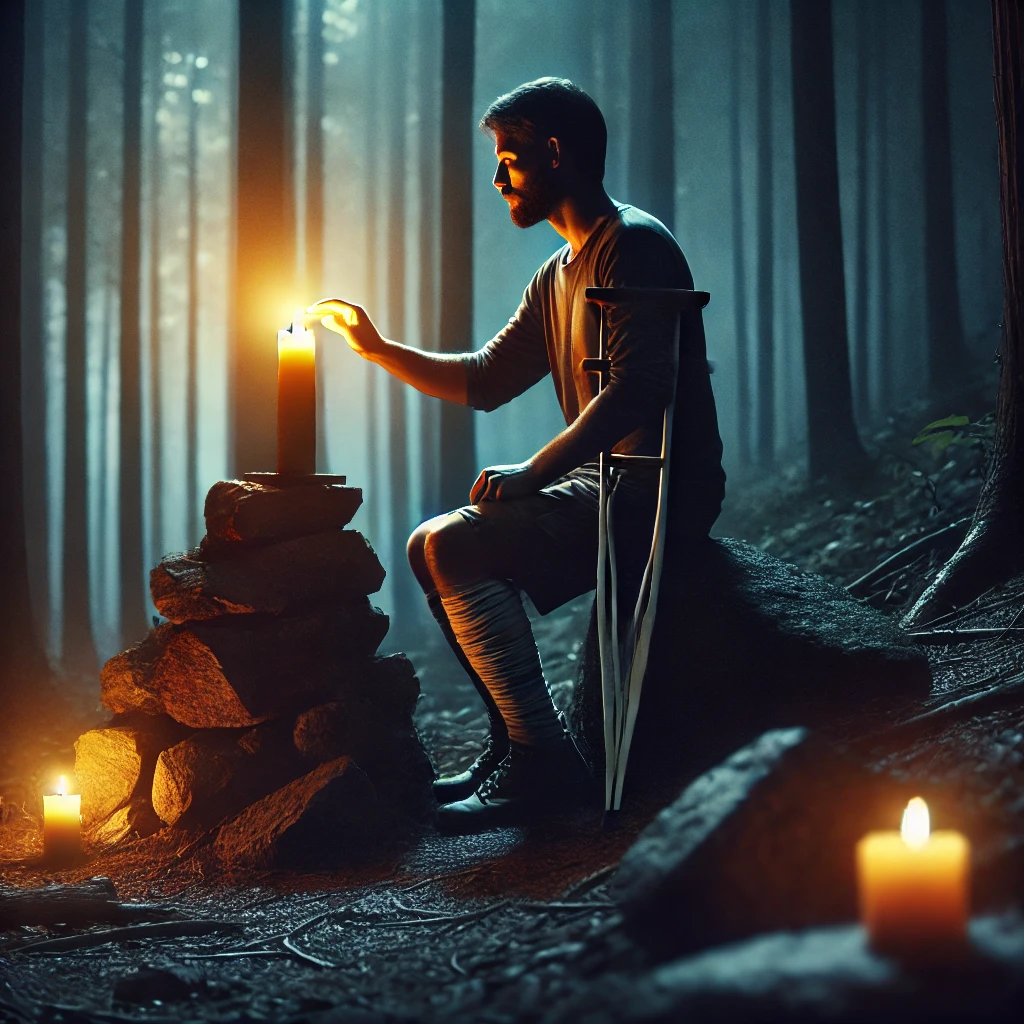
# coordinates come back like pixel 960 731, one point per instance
pixel 532 527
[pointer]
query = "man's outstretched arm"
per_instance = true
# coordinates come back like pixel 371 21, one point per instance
pixel 439 374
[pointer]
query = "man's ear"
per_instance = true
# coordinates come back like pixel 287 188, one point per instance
pixel 554 152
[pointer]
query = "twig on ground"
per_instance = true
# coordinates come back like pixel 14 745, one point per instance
pixel 590 882
pixel 456 966
pixel 291 947
pixel 148 930
pixel 962 636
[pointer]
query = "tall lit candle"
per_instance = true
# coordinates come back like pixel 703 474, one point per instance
pixel 62 824
pixel 914 886
pixel 296 400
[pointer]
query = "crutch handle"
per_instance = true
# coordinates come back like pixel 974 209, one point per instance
pixel 593 365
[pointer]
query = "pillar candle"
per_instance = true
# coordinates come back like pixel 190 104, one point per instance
pixel 62 824
pixel 296 400
pixel 913 886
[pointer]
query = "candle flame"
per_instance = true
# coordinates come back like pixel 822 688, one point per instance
pixel 61 786
pixel 298 323
pixel 916 825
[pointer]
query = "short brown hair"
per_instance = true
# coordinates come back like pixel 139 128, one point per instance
pixel 553 108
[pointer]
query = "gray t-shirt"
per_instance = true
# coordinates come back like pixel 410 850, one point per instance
pixel 555 328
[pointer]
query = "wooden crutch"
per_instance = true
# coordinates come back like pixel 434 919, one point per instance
pixel 623 664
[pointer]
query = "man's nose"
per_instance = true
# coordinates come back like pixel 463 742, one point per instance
pixel 501 178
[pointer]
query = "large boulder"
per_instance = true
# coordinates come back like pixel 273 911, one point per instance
pixel 215 773
pixel 323 817
pixel 744 642
pixel 240 512
pixel 762 842
pixel 241 670
pixel 320 569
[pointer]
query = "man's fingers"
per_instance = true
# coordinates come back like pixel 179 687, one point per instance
pixel 348 312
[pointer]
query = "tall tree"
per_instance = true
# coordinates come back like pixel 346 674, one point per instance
pixel 132 582
pixel 832 442
pixel 33 329
pixel 313 252
pixel 156 58
pixel 79 652
pixel 263 236
pixel 398 454
pixel 861 386
pixel 22 666
pixel 739 250
pixel 193 531
pixel 765 430
pixel 947 352
pixel 426 76
pixel 458 55
pixel 883 302
pixel 994 547
pixel 652 177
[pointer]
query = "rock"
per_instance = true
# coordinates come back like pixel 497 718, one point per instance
pixel 239 512
pixel 214 774
pixel 743 643
pixel 390 753
pixel 392 687
pixel 324 568
pixel 322 818
pixel 135 819
pixel 764 841
pixel 822 975
pixel 242 670
pixel 116 763
pixel 157 984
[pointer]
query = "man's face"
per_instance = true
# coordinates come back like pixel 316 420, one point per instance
pixel 527 178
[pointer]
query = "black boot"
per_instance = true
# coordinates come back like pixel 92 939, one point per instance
pixel 528 780
pixel 451 788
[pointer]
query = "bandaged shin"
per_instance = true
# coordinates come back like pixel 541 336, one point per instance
pixel 492 629
pixel 494 716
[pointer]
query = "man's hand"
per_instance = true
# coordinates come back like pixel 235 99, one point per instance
pixel 505 483
pixel 352 323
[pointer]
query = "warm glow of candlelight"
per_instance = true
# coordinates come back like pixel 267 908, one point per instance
pixel 916 825
pixel 62 823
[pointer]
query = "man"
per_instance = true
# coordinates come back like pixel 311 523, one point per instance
pixel 533 526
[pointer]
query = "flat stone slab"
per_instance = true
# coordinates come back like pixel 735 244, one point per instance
pixel 744 642
pixel 245 669
pixel 241 512
pixel 824 974
pixel 320 568
pixel 763 841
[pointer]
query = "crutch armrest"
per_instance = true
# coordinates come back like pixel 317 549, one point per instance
pixel 636 460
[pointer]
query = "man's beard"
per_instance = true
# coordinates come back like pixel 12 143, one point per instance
pixel 533 203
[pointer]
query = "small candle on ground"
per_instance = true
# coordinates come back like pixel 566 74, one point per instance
pixel 913 886
pixel 62 824
pixel 296 400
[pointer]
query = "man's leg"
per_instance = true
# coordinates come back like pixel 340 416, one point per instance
pixel 448 789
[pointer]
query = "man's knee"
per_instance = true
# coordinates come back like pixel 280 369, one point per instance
pixel 451 551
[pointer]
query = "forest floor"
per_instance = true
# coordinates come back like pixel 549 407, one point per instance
pixel 517 924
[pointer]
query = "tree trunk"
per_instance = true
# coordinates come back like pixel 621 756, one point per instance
pixel 426 41
pixel 33 328
pixel 948 357
pixel 861 387
pixel 398 455
pixel 765 243
pixel 132 579
pixel 314 217
pixel 994 547
pixel 739 253
pixel 78 650
pixel 833 445
pixel 884 362
pixel 155 305
pixel 652 177
pixel 22 667
pixel 264 242
pixel 457 441
pixel 193 516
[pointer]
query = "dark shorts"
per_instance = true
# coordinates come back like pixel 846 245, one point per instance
pixel 547 542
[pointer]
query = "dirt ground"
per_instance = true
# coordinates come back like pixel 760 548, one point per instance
pixel 516 924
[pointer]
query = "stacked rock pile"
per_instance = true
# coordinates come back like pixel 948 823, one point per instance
pixel 260 707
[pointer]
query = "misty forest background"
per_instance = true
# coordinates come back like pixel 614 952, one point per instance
pixel 196 169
